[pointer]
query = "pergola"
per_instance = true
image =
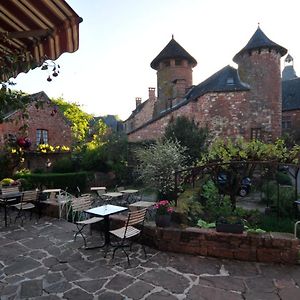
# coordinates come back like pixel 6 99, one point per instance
pixel 33 31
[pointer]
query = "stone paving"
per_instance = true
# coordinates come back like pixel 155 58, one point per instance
pixel 41 261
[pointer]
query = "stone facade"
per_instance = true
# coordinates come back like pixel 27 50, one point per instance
pixel 245 102
pixel 59 129
pixel 291 123
pixel 45 118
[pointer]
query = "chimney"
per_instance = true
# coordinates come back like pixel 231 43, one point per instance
pixel 152 94
pixel 138 101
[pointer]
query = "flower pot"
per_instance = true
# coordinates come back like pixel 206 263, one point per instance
pixel 229 228
pixel 162 220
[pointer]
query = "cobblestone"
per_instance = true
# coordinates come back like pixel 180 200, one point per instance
pixel 41 261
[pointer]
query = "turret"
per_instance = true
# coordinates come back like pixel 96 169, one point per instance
pixel 174 74
pixel 259 66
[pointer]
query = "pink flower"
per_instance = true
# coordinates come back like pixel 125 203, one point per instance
pixel 163 207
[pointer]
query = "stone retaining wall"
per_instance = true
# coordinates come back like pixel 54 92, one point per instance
pixel 268 247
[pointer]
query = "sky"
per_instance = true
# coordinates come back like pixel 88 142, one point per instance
pixel 118 39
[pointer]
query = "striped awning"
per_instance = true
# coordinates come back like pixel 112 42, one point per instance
pixel 32 31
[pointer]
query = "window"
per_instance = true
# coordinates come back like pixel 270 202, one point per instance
pixel 41 136
pixel 167 63
pixel 230 81
pixel 177 62
pixel 256 134
pixel 286 122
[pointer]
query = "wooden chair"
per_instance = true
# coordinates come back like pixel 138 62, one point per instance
pixel 80 217
pixel 28 202
pixel 130 233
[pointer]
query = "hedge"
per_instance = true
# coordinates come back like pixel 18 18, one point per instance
pixel 69 181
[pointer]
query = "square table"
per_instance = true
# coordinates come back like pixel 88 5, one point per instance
pixel 105 211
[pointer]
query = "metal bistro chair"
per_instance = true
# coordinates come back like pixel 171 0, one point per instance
pixel 28 203
pixel 8 190
pixel 80 217
pixel 129 233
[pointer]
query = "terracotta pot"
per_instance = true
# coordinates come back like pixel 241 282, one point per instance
pixel 162 220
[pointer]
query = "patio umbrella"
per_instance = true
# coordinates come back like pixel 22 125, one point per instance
pixel 32 31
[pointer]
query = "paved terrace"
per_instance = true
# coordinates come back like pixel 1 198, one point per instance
pixel 41 261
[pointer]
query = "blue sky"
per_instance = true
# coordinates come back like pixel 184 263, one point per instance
pixel 120 38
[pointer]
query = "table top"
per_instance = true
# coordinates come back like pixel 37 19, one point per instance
pixel 106 210
pixel 113 194
pixel 129 191
pixel 52 191
pixel 97 188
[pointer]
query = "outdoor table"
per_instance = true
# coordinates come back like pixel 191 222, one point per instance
pixel 111 195
pixel 129 194
pixel 105 211
pixel 4 198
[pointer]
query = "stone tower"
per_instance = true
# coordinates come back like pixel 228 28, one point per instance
pixel 174 75
pixel 259 67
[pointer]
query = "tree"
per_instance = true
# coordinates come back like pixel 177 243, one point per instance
pixel 239 159
pixel 78 118
pixel 189 135
pixel 158 164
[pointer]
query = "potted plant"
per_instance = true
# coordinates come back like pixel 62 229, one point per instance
pixel 163 213
pixel 231 224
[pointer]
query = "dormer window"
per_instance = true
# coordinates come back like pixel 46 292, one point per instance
pixel 167 63
pixel 177 62
pixel 230 81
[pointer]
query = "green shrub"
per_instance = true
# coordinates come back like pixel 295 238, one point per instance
pixel 188 203
pixel 283 178
pixel 64 165
pixel 283 202
pixel 275 224
pixel 58 180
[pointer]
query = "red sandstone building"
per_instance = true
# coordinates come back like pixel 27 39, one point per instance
pixel 46 125
pixel 246 101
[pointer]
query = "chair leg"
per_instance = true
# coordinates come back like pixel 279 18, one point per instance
pixel 122 246
pixel 80 232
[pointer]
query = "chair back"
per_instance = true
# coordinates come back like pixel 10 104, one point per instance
pixel 136 217
pixel 30 196
pixel 78 207
pixel 81 203
pixel 10 189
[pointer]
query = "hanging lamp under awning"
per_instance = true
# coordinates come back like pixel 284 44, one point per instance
pixel 32 31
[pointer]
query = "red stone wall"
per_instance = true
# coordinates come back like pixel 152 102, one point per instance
pixel 269 247
pixel 261 70
pixel 222 113
pixel 294 117
pixel 59 130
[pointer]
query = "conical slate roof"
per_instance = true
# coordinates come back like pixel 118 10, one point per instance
pixel 258 41
pixel 172 50
pixel 225 80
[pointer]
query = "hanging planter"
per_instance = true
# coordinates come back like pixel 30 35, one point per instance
pixel 24 143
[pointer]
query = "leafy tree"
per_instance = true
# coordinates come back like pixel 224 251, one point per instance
pixel 189 135
pixel 157 164
pixel 78 118
pixel 107 152
pixel 239 159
